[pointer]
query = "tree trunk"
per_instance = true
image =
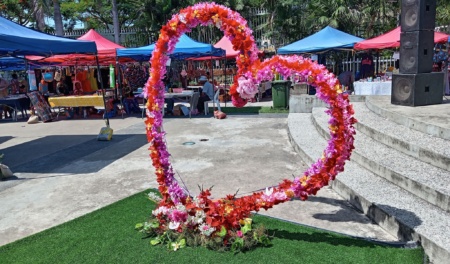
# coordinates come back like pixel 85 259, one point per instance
pixel 115 16
pixel 38 12
pixel 58 18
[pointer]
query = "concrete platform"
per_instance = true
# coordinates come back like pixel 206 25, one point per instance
pixel 62 172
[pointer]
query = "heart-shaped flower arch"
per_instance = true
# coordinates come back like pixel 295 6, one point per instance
pixel 177 210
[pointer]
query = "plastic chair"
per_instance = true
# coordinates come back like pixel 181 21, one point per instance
pixel 215 99
pixel 193 102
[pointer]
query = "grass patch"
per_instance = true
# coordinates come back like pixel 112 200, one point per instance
pixel 252 110
pixel 108 236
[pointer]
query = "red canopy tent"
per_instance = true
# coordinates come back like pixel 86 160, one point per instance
pixel 391 39
pixel 106 51
pixel 226 45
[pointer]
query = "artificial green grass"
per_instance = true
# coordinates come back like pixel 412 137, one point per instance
pixel 253 110
pixel 108 236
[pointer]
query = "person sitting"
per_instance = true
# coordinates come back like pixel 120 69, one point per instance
pixel 346 79
pixel 207 93
pixel 131 104
pixel 61 88
pixel 169 101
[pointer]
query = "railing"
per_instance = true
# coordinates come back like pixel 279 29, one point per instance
pixel 129 37
pixel 354 65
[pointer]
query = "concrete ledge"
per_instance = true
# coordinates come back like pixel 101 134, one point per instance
pixel 375 104
pixel 305 103
pixel 396 167
pixel 427 155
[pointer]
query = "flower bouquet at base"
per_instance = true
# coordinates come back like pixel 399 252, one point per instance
pixel 180 226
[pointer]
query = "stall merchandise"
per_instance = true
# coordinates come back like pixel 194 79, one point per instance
pixel 41 107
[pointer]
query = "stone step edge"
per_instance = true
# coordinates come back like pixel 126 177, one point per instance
pixel 388 222
pixel 426 155
pixel 426 193
pixel 412 123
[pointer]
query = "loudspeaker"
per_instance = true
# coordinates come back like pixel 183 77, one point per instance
pixel 418 15
pixel 417 89
pixel 416 51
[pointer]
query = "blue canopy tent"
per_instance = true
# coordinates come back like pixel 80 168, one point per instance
pixel 324 40
pixel 185 48
pixel 17 40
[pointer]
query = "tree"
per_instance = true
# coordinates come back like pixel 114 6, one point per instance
pixel 116 25
pixel 57 17
pixel 17 11
pixel 38 14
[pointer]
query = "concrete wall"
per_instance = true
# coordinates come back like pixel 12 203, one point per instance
pixel 304 103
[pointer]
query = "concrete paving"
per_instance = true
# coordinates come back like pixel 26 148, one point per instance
pixel 63 172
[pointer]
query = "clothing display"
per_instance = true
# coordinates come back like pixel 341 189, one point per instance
pixel 135 76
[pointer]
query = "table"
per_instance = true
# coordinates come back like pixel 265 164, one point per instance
pixel 194 87
pixel 373 88
pixel 75 101
pixel 183 94
pixel 16 102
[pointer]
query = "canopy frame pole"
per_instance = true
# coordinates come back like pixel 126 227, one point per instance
pixel 212 80
pixel 99 76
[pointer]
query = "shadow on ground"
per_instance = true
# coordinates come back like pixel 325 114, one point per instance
pixel 49 153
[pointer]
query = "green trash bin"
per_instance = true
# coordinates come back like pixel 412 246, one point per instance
pixel 280 94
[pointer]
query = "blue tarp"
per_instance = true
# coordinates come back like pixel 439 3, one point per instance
pixel 12 64
pixel 17 40
pixel 326 39
pixel 185 48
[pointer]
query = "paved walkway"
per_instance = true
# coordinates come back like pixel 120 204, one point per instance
pixel 63 172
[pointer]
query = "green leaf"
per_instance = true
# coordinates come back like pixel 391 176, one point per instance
pixel 182 243
pixel 155 241
pixel 154 224
pixel 139 226
pixel 246 228
pixel 223 232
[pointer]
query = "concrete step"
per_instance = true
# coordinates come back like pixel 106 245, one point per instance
pixel 425 147
pixel 431 119
pixel 401 213
pixel 419 178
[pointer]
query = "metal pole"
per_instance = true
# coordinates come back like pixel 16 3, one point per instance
pixel 99 76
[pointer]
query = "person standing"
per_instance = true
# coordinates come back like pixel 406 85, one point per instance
pixel 15 85
pixel 367 68
pixel 207 93
pixel 3 93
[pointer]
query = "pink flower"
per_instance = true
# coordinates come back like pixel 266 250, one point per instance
pixel 239 233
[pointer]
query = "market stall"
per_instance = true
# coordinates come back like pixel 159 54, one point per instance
pixel 16 40
pixel 326 39
pixel 391 39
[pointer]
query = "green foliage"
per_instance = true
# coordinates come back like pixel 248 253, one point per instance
pixel 17 11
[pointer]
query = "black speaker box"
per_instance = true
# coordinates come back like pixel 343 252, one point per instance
pixel 417 89
pixel 418 15
pixel 416 51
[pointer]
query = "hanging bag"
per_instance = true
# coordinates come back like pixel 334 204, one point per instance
pixel 47 76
